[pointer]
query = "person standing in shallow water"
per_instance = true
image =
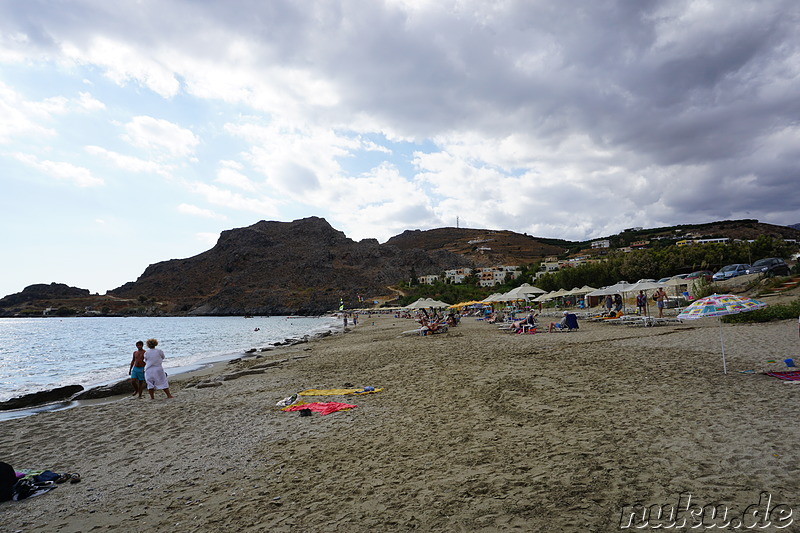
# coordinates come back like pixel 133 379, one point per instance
pixel 154 373
pixel 137 370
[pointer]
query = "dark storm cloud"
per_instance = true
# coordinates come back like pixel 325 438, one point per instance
pixel 699 98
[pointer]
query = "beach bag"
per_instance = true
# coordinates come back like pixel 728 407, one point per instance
pixel 24 489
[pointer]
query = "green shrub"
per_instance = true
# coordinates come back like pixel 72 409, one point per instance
pixel 703 288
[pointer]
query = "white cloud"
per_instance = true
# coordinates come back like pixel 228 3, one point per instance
pixel 295 162
pixel 61 170
pixel 229 174
pixel 264 207
pixel 130 163
pixel 17 114
pixel 89 103
pixel 160 137
pixel 123 62
pixel 189 209
pixel 384 116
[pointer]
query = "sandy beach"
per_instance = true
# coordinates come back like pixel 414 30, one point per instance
pixel 475 430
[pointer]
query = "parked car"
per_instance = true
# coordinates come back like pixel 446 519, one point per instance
pixel 770 266
pixel 663 280
pixel 705 274
pixel 731 271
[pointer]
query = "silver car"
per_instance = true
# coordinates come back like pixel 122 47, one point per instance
pixel 731 271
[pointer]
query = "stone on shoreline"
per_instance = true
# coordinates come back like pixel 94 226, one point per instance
pixel 104 391
pixel 38 398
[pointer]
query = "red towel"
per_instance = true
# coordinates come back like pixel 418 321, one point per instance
pixel 792 375
pixel 323 408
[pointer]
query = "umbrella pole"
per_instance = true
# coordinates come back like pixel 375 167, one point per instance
pixel 722 343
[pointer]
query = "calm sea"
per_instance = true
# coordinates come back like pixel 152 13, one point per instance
pixel 42 353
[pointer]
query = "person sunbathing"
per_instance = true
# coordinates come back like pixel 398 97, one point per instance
pixel 519 325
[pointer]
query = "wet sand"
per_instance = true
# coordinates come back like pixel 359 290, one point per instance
pixel 475 430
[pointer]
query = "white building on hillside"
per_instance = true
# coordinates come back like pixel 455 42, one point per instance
pixel 457 275
pixel 428 280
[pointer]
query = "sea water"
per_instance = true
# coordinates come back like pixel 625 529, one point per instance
pixel 43 353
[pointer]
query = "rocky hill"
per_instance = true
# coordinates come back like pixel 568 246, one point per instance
pixel 482 247
pixel 306 267
pixel 41 291
pixel 299 267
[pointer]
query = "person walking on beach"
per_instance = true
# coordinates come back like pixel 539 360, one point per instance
pixel 660 297
pixel 641 302
pixel 137 370
pixel 154 373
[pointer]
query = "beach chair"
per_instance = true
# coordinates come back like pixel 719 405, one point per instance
pixel 570 323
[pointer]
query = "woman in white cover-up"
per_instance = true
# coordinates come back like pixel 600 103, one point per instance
pixel 154 374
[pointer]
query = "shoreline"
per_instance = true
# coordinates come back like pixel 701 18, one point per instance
pixel 110 391
pixel 475 429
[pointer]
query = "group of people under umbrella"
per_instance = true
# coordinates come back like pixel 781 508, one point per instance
pixel 710 306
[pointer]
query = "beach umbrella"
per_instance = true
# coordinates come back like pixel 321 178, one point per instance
pixel 543 297
pixel 619 287
pixel 524 291
pixel 509 297
pixel 583 290
pixel 719 305
pixel 558 294
pixel 422 303
pixel 462 304
pixel 645 286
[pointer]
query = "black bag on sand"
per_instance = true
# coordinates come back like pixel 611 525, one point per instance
pixel 8 477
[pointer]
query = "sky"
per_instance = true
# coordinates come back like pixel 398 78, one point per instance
pixel 134 132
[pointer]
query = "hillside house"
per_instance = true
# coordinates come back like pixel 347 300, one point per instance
pixel 457 275
pixel 491 277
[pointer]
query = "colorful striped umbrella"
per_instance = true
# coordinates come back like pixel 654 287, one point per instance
pixel 718 305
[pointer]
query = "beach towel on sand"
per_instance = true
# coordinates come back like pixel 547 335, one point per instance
pixel 323 408
pixel 792 375
pixel 337 392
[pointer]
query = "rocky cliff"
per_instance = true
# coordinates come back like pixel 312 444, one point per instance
pixel 306 267
pixel 483 247
pixel 43 291
pixel 299 267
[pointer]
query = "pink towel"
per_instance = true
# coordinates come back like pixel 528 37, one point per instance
pixel 792 375
pixel 323 408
